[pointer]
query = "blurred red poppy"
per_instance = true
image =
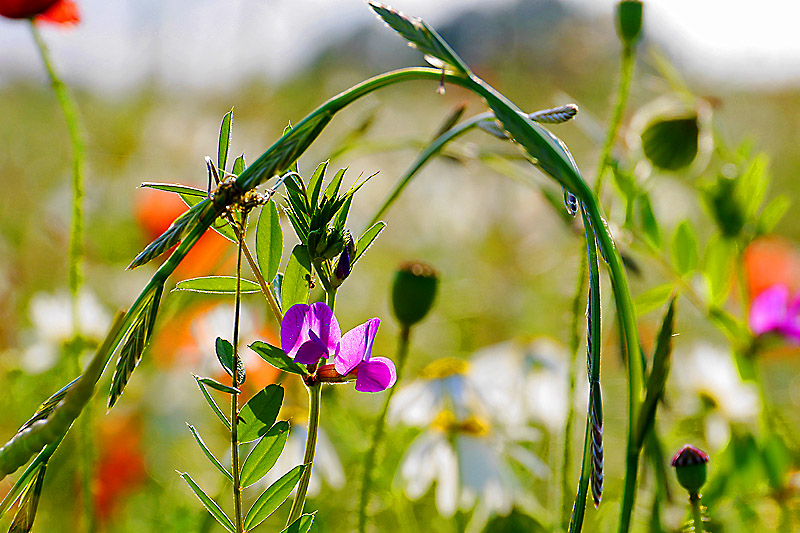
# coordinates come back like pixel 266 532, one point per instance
pixel 55 11
pixel 771 261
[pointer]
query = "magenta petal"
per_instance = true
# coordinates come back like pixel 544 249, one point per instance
pixel 375 375
pixel 292 328
pixel 324 324
pixel 768 311
pixel 356 346
pixel 310 352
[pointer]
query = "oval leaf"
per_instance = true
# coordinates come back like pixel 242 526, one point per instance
pixel 296 284
pixel 225 130
pixel 264 454
pixel 653 298
pixel 259 414
pixel 671 144
pixel 273 497
pixel 216 385
pixel 277 358
pixel 367 238
pixel 269 241
pixel 224 351
pixel 216 285
pixel 301 525
pixel 684 248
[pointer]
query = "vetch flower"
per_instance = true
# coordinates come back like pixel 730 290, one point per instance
pixel 54 11
pixel 310 333
pixel 776 310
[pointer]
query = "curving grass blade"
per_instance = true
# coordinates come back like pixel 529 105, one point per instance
pixel 23 520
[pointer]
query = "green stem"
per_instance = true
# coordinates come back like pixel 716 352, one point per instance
pixel 264 284
pixel 314 396
pixel 380 425
pixel 331 297
pixel 697 514
pixel 237 487
pixel 626 75
pixel 75 256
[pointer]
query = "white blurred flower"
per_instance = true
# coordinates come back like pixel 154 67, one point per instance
pixel 327 466
pixel 51 316
pixel 707 377
pixel 470 466
pixel 523 382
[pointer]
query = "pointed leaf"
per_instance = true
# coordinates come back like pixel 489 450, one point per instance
pixel 296 284
pixel 269 241
pixel 265 453
pixel 277 358
pixel 273 497
pixel 225 130
pixel 216 385
pixel 332 190
pixel 208 453
pixel 275 286
pixel 684 248
pixel 216 285
pixel 648 222
pixel 420 36
pixel 315 184
pixel 301 525
pixel 259 414
pixel 239 165
pixel 718 267
pixel 23 521
pixel 176 188
pixel 653 298
pixel 773 213
pixel 213 404
pixel 367 238
pixel 210 505
pixel 224 351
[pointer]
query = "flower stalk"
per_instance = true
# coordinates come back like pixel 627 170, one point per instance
pixel 237 488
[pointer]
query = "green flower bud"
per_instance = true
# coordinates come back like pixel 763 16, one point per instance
pixel 690 467
pixel 629 21
pixel 413 292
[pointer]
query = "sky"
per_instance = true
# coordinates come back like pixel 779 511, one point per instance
pixel 203 43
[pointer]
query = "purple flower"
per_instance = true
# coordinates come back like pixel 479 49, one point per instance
pixel 776 310
pixel 311 333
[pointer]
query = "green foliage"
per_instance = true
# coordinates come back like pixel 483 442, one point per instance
pixel 217 285
pixel 210 505
pixel 277 358
pixel 671 143
pixel 224 350
pixel 225 130
pixel 684 248
pixel 209 454
pixel 296 284
pixel 273 497
pixel 264 454
pixel 259 413
pixel 269 241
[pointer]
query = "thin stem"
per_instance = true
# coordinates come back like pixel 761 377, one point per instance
pixel 75 256
pixel 237 488
pixel 377 434
pixel 314 396
pixel 264 284
pixel 697 513
pixel 331 298
pixel 626 75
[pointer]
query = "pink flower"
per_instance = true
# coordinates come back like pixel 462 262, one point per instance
pixel 310 333
pixel 776 310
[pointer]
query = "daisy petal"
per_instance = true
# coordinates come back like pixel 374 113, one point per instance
pixel 375 375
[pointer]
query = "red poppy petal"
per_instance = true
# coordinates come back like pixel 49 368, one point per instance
pixel 64 12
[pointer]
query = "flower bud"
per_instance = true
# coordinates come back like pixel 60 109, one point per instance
pixel 690 467
pixel 413 292
pixel 629 21
pixel 345 264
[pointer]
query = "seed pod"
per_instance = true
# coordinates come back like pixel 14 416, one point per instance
pixel 690 467
pixel 413 292
pixel 629 21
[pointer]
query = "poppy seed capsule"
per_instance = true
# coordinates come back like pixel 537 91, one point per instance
pixel 690 467
pixel 413 292
pixel 629 21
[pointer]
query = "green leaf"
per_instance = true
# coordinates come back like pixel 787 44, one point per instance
pixel 239 165
pixel 367 238
pixel 216 385
pixel 652 298
pixel 648 221
pixel 718 268
pixel 315 184
pixel 301 525
pixel 658 374
pixel 224 351
pixel 773 213
pixel 277 358
pixel 421 36
pixel 264 454
pixel 216 285
pixel 220 225
pixel 671 143
pixel 26 512
pixel 777 461
pixel 332 190
pixel 224 141
pixel 736 332
pixel 273 497
pixel 210 505
pixel 684 248
pixel 276 285
pixel 176 188
pixel 208 453
pixel 213 404
pixel 751 186
pixel 269 241
pixel 259 414
pixel 296 285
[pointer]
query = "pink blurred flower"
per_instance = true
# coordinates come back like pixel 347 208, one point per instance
pixel 776 310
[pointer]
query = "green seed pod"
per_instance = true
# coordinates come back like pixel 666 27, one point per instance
pixel 690 467
pixel 629 21
pixel 413 292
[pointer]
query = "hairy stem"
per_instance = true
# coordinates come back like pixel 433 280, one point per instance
pixel 697 513
pixel 377 433
pixel 237 488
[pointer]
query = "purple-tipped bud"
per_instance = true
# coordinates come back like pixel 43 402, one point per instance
pixel 345 264
pixel 690 467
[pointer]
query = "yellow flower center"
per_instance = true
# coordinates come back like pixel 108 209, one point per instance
pixel 442 368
